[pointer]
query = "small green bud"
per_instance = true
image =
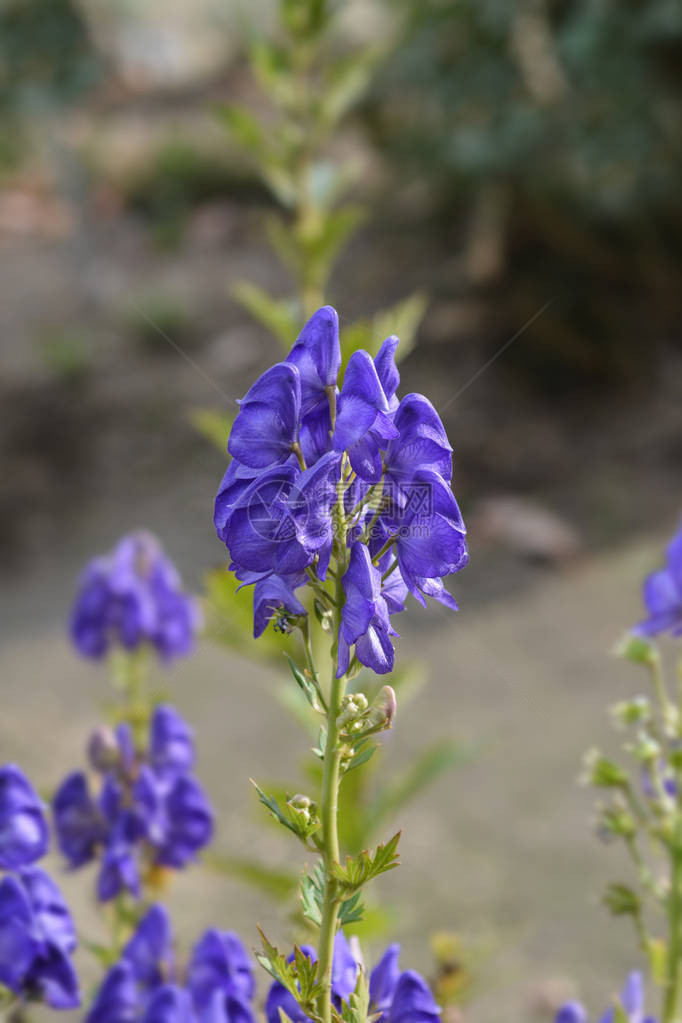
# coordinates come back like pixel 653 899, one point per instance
pixel 622 900
pixel 603 773
pixel 632 712
pixel 646 749
pixel 636 649
pixel 616 820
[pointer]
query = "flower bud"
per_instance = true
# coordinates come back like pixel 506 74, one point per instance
pixel 603 773
pixel 383 709
pixel 102 751
pixel 632 712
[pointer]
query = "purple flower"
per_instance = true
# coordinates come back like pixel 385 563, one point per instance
pixel 662 593
pixel 117 1000
pixel 133 597
pixel 364 618
pixel 171 743
pixel 149 952
pixel 170 1004
pixel 149 803
pixel 274 596
pixel 37 938
pixel 146 986
pixel 317 356
pixel 344 975
pixel 363 425
pixel 23 828
pixel 430 544
pixel 400 997
pixel 422 445
pixel 220 963
pixel 266 428
pixel 387 371
pixel 631 1002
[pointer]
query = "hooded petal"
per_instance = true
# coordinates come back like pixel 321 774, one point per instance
pixel 317 355
pixel 79 825
pixel 413 1001
pixel 23 828
pixel 267 424
pixel 344 969
pixel 270 597
pixel 51 914
pixel 384 979
pixel 169 1004
pixel 572 1012
pixel 19 943
pixel 190 823
pixel 117 1000
pixel 149 952
pixel 54 977
pixel 220 963
pixel 171 742
pixel 387 371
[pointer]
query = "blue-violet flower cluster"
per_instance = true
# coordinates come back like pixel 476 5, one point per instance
pixel 132 597
pixel 631 1003
pixel 148 985
pixel 149 812
pixel 396 996
pixel 662 594
pixel 37 935
pixel 354 471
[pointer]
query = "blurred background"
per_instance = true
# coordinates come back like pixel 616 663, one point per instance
pixel 511 172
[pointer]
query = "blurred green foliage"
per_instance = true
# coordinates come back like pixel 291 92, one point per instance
pixel 571 99
pixel 46 60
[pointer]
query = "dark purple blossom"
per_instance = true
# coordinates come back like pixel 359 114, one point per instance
pixel 266 428
pixel 662 594
pixel 134 597
pixel 317 357
pixel 23 827
pixel 631 1003
pixel 148 986
pixel 274 597
pixel 400 997
pixel 361 464
pixel 150 810
pixel 37 939
pixel 364 619
pixel 363 425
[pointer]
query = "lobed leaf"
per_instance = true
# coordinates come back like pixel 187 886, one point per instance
pixel 366 866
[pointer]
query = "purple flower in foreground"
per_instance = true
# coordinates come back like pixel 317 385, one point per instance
pixel 37 938
pixel 313 467
pixel 400 997
pixel 146 985
pixel 133 597
pixel 662 592
pixel 631 1002
pixel 23 827
pixel 364 618
pixel 266 428
pixel 363 425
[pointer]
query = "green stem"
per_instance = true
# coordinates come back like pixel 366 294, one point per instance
pixel 671 1000
pixel 329 814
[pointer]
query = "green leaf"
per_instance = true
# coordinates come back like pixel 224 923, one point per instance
pixel 284 244
pixel 298 977
pixel 277 884
pixel 312 894
pixel 347 82
pixel 213 425
pixel 302 820
pixel 352 910
pixel 402 319
pixel 657 954
pixel 621 900
pixel 308 687
pixel 366 866
pixel 361 758
pixel 278 315
pixel 356 1010
pixel 243 127
pixel 323 246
